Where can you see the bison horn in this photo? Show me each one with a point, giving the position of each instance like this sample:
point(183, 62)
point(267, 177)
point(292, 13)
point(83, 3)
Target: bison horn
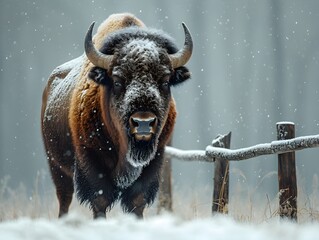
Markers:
point(183, 55)
point(95, 56)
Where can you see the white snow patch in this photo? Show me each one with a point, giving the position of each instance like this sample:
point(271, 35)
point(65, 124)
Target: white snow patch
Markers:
point(285, 123)
point(143, 47)
point(66, 67)
point(137, 90)
point(186, 154)
point(60, 87)
point(160, 227)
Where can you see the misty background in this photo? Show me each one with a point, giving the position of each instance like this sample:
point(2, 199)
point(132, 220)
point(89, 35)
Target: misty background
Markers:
point(254, 63)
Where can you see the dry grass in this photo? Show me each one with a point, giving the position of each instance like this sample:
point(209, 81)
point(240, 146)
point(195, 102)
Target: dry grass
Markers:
point(245, 204)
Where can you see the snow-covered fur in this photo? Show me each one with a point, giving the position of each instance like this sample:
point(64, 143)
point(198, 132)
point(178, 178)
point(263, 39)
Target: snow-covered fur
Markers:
point(86, 116)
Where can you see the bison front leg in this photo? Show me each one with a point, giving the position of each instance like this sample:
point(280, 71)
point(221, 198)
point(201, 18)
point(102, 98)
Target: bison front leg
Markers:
point(99, 206)
point(143, 191)
point(93, 185)
point(136, 197)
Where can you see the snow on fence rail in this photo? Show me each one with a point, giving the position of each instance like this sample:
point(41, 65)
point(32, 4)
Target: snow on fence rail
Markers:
point(274, 147)
point(220, 154)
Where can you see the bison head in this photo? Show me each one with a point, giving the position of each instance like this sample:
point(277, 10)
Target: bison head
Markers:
point(136, 68)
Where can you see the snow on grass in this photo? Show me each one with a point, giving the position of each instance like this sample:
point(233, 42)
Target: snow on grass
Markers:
point(25, 216)
point(78, 227)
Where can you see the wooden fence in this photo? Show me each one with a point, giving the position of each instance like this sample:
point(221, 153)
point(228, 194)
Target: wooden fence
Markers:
point(220, 154)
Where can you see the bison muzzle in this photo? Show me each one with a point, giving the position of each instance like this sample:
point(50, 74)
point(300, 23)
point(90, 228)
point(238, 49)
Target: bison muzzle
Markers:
point(107, 115)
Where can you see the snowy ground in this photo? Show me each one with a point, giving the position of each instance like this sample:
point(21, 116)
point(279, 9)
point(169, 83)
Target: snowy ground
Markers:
point(77, 226)
point(34, 216)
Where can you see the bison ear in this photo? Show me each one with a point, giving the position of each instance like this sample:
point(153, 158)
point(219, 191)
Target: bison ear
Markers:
point(98, 75)
point(180, 75)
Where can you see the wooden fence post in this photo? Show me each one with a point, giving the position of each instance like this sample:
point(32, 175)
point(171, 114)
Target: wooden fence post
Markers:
point(221, 178)
point(287, 174)
point(165, 188)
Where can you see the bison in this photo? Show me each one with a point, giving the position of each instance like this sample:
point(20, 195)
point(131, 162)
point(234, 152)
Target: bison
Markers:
point(107, 115)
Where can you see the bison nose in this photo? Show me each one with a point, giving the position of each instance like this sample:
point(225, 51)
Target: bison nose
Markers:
point(143, 125)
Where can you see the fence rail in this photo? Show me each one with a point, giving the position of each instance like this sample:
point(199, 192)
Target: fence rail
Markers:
point(274, 147)
point(220, 154)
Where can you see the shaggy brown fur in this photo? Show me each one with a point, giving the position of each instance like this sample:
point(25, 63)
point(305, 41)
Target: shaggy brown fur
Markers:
point(86, 139)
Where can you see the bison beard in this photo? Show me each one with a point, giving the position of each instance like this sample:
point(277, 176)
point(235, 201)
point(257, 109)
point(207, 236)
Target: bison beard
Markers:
point(140, 153)
point(107, 115)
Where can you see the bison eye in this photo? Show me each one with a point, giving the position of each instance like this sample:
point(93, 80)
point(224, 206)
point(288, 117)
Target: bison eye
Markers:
point(165, 86)
point(118, 84)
